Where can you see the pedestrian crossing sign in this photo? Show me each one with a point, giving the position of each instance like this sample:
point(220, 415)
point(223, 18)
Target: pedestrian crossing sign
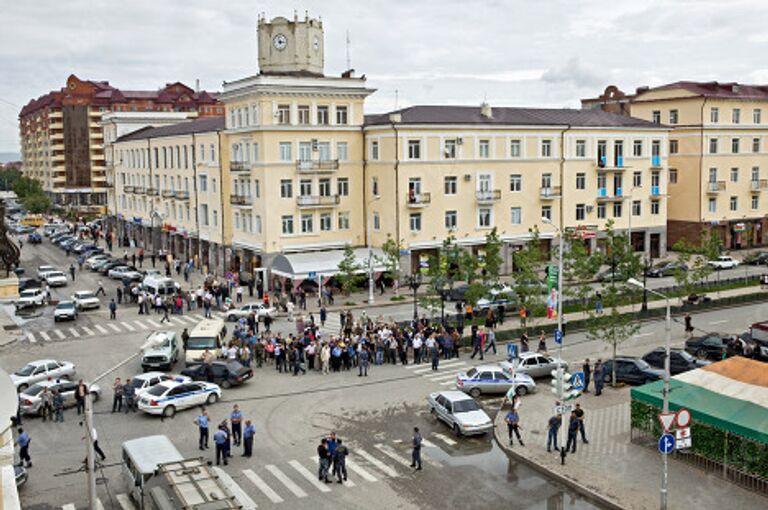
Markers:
point(577, 381)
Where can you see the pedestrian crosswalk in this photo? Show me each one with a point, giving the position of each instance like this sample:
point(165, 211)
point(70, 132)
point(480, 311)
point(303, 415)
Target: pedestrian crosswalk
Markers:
point(276, 484)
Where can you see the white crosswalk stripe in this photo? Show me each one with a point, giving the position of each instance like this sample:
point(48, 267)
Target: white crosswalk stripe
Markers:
point(429, 444)
point(348, 483)
point(154, 324)
point(88, 331)
point(69, 506)
point(127, 325)
point(451, 365)
point(200, 316)
point(125, 502)
point(283, 478)
point(74, 332)
point(237, 491)
point(101, 328)
point(321, 486)
point(99, 506)
point(384, 468)
point(389, 452)
point(443, 377)
point(114, 328)
point(59, 334)
point(189, 319)
point(365, 475)
point(262, 486)
point(447, 440)
point(45, 336)
point(31, 337)
point(447, 383)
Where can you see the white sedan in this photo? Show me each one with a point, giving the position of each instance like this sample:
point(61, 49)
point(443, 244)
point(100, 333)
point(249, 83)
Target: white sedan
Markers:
point(723, 262)
point(168, 397)
point(55, 278)
point(147, 380)
point(259, 309)
point(43, 270)
point(120, 272)
point(89, 263)
point(85, 300)
point(31, 298)
point(41, 370)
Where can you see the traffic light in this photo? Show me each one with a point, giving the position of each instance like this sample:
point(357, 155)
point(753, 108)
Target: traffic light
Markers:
point(557, 381)
point(569, 391)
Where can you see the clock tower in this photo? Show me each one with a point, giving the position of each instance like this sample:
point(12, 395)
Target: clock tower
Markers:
point(291, 47)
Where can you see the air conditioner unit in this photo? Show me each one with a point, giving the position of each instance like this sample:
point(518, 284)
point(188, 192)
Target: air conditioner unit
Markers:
point(447, 153)
point(589, 208)
point(314, 145)
point(467, 177)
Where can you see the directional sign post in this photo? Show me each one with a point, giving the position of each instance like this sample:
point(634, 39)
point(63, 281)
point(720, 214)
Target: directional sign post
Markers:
point(511, 351)
point(667, 419)
point(666, 444)
point(312, 275)
point(683, 418)
point(683, 438)
point(558, 337)
point(577, 381)
point(563, 409)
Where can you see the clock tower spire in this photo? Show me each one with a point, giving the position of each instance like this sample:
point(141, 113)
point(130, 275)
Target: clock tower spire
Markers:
point(291, 47)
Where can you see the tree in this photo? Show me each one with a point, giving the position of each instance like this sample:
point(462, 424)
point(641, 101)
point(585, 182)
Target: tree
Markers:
point(527, 285)
point(614, 327)
point(349, 269)
point(37, 203)
point(490, 264)
point(695, 265)
point(441, 273)
point(8, 178)
point(579, 269)
point(391, 260)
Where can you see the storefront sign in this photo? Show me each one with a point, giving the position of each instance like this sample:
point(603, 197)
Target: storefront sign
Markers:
point(739, 227)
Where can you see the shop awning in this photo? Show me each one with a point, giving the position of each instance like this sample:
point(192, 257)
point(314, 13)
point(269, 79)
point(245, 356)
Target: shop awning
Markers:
point(300, 266)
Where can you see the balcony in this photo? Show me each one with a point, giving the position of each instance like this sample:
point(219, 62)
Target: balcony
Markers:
point(152, 191)
point(417, 200)
point(317, 200)
point(317, 166)
point(655, 191)
point(128, 189)
point(759, 185)
point(656, 161)
point(549, 192)
point(181, 195)
point(239, 166)
point(485, 196)
point(240, 200)
point(603, 195)
point(139, 190)
point(168, 193)
point(618, 166)
point(715, 186)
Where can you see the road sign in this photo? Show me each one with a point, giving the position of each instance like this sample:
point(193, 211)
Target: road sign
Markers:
point(312, 275)
point(683, 418)
point(558, 337)
point(552, 273)
point(511, 351)
point(667, 419)
point(563, 409)
point(666, 443)
point(683, 438)
point(577, 381)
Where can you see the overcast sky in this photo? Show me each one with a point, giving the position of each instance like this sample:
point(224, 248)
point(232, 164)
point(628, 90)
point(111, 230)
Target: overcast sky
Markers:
point(511, 52)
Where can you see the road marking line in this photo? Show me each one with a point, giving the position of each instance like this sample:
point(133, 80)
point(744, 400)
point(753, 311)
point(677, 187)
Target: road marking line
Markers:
point(102, 329)
point(125, 502)
point(641, 335)
point(289, 484)
point(426, 442)
point(154, 323)
point(447, 364)
point(445, 439)
point(188, 318)
point(443, 377)
point(321, 486)
point(45, 336)
point(117, 330)
point(99, 506)
point(719, 322)
point(262, 486)
point(201, 317)
point(88, 331)
point(140, 324)
point(389, 452)
point(237, 491)
point(69, 506)
point(360, 471)
point(377, 463)
point(74, 332)
point(59, 334)
point(31, 337)
point(447, 383)
point(348, 483)
point(127, 325)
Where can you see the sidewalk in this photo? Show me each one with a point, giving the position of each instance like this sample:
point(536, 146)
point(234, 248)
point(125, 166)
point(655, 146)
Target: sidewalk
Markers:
point(610, 469)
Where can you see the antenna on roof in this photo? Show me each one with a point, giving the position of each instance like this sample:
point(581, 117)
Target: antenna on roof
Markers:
point(397, 98)
point(349, 60)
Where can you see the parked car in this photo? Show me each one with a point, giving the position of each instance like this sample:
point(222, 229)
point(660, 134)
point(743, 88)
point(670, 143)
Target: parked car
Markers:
point(458, 292)
point(85, 300)
point(65, 310)
point(143, 382)
point(163, 353)
point(631, 370)
point(608, 276)
point(119, 272)
point(259, 309)
point(225, 373)
point(679, 360)
point(104, 268)
point(757, 259)
point(28, 283)
point(31, 298)
point(168, 397)
point(485, 379)
point(99, 263)
point(40, 370)
point(460, 412)
point(84, 247)
point(34, 238)
point(94, 250)
point(30, 400)
point(55, 279)
point(723, 262)
point(533, 364)
point(665, 269)
point(711, 346)
point(90, 261)
point(43, 270)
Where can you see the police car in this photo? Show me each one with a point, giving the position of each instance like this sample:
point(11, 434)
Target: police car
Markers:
point(168, 397)
point(147, 380)
point(485, 379)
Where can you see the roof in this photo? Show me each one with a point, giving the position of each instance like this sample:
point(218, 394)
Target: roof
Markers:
point(510, 116)
point(298, 266)
point(203, 125)
point(147, 452)
point(727, 90)
point(454, 395)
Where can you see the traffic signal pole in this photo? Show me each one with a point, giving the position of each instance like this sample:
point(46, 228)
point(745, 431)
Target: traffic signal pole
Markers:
point(560, 369)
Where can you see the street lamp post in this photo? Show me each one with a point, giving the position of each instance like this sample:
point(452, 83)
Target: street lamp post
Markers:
point(370, 255)
point(413, 281)
point(665, 391)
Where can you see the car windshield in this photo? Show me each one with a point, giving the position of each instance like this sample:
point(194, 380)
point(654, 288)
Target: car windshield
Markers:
point(201, 342)
point(685, 355)
point(137, 383)
point(85, 295)
point(27, 370)
point(465, 406)
point(642, 365)
point(28, 293)
point(34, 390)
point(235, 367)
point(157, 390)
point(55, 273)
point(472, 372)
point(65, 305)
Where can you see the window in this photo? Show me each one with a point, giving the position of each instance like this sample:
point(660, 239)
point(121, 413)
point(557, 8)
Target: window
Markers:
point(376, 221)
point(735, 145)
point(305, 187)
point(256, 188)
point(713, 175)
point(514, 149)
point(580, 212)
point(635, 208)
point(673, 147)
point(546, 148)
point(414, 149)
point(484, 149)
point(755, 201)
point(673, 116)
point(546, 181)
point(203, 183)
point(257, 224)
point(375, 186)
point(306, 223)
point(637, 179)
point(581, 148)
point(734, 203)
point(736, 115)
point(341, 115)
point(655, 207)
point(342, 151)
point(617, 209)
point(213, 153)
point(656, 116)
point(324, 186)
point(757, 116)
point(342, 186)
point(449, 148)
point(450, 184)
point(755, 173)
point(581, 180)
point(673, 175)
point(655, 179)
point(602, 152)
point(637, 148)
point(755, 145)
point(415, 222)
point(325, 222)
point(286, 188)
point(712, 205)
point(450, 220)
point(546, 212)
point(303, 112)
point(287, 222)
point(204, 214)
point(215, 218)
point(343, 221)
point(322, 115)
point(714, 115)
point(374, 150)
point(285, 151)
point(516, 216)
point(324, 151)
point(213, 185)
point(713, 145)
point(283, 114)
point(165, 157)
point(734, 175)
point(202, 154)
point(485, 217)
point(515, 182)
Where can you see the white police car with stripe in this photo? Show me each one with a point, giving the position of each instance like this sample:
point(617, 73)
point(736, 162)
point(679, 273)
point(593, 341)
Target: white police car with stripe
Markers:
point(485, 379)
point(168, 397)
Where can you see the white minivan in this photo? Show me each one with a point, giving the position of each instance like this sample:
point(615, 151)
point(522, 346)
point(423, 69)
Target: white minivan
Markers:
point(160, 285)
point(208, 334)
point(141, 458)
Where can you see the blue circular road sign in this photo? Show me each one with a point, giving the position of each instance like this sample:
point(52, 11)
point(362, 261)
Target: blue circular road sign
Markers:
point(666, 443)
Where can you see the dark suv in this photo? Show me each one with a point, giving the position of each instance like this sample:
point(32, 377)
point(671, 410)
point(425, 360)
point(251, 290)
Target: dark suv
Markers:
point(225, 373)
point(631, 371)
point(679, 360)
point(711, 346)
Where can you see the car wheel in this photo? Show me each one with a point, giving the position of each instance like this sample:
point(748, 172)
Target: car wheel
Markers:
point(94, 396)
point(456, 429)
point(475, 392)
point(521, 391)
point(212, 398)
point(169, 411)
point(607, 378)
point(701, 354)
point(226, 384)
point(23, 387)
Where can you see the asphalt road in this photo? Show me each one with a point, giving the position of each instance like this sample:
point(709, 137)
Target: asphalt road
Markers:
point(374, 415)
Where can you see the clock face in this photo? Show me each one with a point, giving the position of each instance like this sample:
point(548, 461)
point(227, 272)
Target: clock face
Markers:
point(316, 43)
point(280, 42)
